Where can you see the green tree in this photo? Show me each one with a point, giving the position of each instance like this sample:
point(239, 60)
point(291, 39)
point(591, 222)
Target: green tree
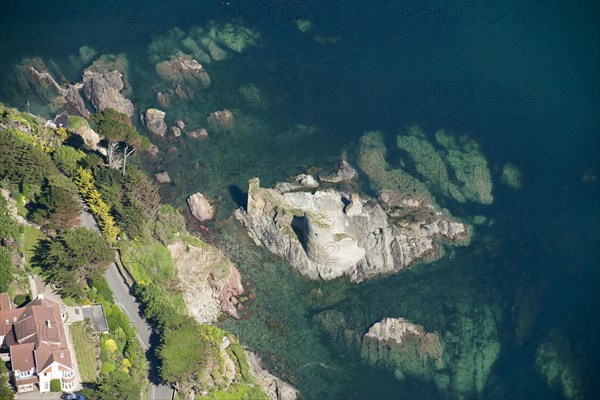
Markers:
point(6, 269)
point(182, 353)
point(6, 392)
point(57, 208)
point(68, 158)
point(116, 385)
point(23, 164)
point(8, 227)
point(119, 132)
point(73, 258)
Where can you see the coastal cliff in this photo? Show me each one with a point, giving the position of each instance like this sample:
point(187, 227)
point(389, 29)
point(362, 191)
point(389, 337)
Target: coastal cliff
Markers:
point(327, 234)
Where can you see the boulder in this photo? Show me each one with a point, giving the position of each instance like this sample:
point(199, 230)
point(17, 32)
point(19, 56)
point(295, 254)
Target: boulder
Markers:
point(183, 69)
point(176, 131)
point(200, 207)
point(162, 177)
point(197, 134)
point(222, 119)
point(163, 99)
point(154, 121)
point(103, 89)
point(343, 173)
point(180, 124)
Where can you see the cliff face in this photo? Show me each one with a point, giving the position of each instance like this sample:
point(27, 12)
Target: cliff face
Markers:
point(327, 234)
point(210, 283)
point(275, 388)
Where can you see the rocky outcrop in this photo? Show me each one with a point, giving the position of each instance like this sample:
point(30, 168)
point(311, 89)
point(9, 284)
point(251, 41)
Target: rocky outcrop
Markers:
point(154, 121)
point(275, 388)
point(329, 234)
point(343, 173)
point(200, 207)
point(210, 283)
point(403, 347)
point(200, 133)
point(35, 78)
point(301, 181)
point(103, 89)
point(162, 177)
point(183, 69)
point(223, 120)
point(81, 128)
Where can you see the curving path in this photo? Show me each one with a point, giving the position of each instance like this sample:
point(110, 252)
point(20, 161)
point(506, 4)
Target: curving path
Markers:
point(120, 290)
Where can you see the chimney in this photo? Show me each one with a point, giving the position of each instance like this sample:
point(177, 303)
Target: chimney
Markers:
point(49, 324)
point(40, 295)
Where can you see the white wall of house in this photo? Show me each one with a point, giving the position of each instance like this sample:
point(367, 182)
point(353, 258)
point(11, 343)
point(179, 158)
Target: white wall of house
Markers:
point(55, 371)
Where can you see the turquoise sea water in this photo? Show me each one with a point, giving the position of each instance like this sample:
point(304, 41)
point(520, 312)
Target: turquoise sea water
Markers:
point(521, 78)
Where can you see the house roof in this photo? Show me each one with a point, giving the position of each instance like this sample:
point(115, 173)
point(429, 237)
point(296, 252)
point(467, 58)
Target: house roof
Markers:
point(46, 355)
point(4, 302)
point(21, 357)
point(61, 121)
point(36, 335)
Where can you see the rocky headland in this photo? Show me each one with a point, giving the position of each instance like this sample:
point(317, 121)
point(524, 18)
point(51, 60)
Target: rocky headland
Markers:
point(327, 234)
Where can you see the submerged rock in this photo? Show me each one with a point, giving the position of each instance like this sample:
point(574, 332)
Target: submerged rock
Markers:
point(221, 119)
point(200, 207)
point(328, 234)
point(555, 362)
point(35, 78)
point(511, 176)
point(403, 347)
point(162, 177)
point(154, 121)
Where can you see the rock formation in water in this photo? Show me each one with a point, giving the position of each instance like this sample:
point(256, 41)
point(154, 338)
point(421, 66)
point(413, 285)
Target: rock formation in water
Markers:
point(210, 283)
point(328, 234)
point(200, 207)
point(35, 78)
point(403, 347)
point(556, 363)
point(454, 168)
point(154, 121)
point(104, 84)
point(343, 173)
point(221, 120)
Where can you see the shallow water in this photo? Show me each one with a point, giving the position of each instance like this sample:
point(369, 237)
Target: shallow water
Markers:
point(523, 83)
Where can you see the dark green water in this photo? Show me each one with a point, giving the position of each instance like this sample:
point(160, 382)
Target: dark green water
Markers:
point(521, 78)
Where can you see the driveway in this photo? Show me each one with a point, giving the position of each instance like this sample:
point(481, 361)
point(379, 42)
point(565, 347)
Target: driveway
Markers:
point(130, 307)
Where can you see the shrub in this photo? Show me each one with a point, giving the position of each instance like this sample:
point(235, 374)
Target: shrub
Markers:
point(55, 386)
point(21, 299)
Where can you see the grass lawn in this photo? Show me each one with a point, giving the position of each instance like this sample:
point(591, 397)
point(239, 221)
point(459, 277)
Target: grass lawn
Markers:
point(31, 236)
point(85, 350)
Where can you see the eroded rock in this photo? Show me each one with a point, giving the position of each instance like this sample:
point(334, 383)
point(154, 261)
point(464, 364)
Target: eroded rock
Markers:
point(200, 207)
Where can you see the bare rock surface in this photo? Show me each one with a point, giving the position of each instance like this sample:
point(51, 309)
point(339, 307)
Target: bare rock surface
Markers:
point(200, 207)
point(162, 177)
point(103, 89)
point(154, 121)
point(275, 388)
point(329, 234)
point(210, 283)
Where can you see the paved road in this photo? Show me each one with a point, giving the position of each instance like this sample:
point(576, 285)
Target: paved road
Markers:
point(128, 304)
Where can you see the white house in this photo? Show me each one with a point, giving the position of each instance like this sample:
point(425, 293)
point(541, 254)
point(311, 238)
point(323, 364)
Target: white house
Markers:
point(34, 336)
